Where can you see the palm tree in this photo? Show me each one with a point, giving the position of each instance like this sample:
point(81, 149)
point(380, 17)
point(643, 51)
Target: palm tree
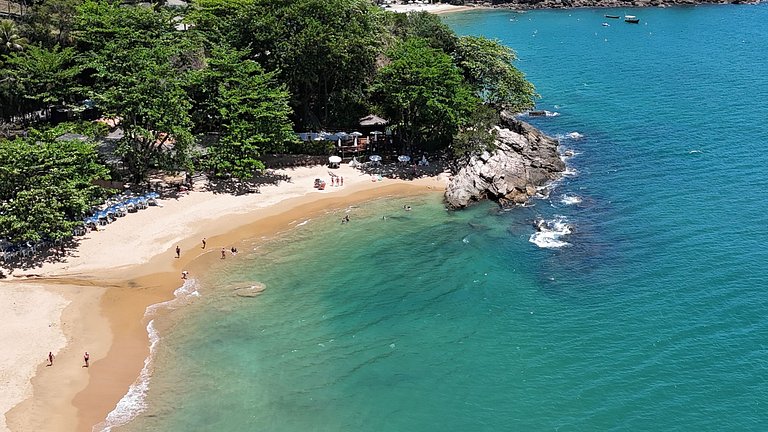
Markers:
point(10, 38)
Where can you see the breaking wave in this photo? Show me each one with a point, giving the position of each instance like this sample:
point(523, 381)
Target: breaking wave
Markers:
point(549, 233)
point(134, 401)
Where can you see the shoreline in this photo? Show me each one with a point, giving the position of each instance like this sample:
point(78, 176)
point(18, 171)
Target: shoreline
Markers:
point(437, 8)
point(443, 9)
point(115, 298)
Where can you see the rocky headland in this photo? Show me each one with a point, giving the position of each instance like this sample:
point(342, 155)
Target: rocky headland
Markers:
point(524, 159)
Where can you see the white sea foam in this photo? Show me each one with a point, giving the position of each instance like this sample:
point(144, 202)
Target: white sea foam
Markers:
point(570, 171)
point(549, 232)
point(570, 199)
point(538, 113)
point(303, 223)
point(134, 401)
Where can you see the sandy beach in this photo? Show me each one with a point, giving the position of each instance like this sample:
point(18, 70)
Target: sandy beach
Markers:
point(439, 8)
point(95, 299)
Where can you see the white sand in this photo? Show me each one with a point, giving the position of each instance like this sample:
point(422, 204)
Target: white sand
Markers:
point(137, 237)
point(32, 313)
point(437, 8)
point(31, 328)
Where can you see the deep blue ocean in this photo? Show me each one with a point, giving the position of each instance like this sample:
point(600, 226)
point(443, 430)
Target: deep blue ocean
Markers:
point(642, 307)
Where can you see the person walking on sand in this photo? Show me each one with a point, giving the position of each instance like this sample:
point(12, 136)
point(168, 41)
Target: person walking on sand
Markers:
point(341, 180)
point(223, 253)
point(203, 243)
point(50, 358)
point(178, 251)
point(86, 357)
point(184, 274)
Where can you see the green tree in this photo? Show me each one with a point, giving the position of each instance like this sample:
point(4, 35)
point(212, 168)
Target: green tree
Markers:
point(141, 87)
point(487, 67)
point(13, 104)
point(323, 50)
point(476, 135)
point(423, 25)
point(139, 64)
point(100, 24)
point(51, 21)
point(249, 108)
point(46, 76)
point(422, 92)
point(46, 187)
point(10, 37)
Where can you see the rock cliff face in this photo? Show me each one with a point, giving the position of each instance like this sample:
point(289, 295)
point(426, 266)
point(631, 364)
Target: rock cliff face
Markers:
point(523, 160)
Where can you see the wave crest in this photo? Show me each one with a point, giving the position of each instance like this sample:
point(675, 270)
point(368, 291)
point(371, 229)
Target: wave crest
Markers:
point(549, 232)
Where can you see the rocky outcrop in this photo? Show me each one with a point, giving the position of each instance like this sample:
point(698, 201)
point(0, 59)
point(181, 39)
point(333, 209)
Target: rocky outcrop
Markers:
point(524, 159)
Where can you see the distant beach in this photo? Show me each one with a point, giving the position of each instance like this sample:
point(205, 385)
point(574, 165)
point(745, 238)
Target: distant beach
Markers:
point(440, 8)
point(96, 298)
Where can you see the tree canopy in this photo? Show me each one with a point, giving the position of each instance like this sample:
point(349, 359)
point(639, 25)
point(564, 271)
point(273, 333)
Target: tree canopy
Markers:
point(487, 66)
point(46, 187)
point(247, 106)
point(236, 77)
point(423, 94)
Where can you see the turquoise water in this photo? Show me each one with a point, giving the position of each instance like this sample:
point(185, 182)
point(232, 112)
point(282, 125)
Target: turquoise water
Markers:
point(651, 314)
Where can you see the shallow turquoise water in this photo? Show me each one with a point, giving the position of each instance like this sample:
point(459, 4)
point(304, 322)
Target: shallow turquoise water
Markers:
point(653, 316)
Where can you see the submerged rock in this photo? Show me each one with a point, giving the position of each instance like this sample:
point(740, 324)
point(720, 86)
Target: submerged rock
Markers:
point(250, 290)
point(523, 160)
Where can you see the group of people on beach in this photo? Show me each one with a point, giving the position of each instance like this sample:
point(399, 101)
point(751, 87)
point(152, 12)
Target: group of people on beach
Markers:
point(223, 250)
point(86, 358)
point(204, 243)
point(336, 180)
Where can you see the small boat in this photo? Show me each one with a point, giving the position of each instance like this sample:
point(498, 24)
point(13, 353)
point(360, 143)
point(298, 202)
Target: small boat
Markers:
point(631, 19)
point(613, 16)
point(606, 24)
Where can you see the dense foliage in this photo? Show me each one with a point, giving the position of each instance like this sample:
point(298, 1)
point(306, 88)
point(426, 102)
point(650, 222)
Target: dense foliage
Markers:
point(46, 186)
point(422, 91)
point(216, 85)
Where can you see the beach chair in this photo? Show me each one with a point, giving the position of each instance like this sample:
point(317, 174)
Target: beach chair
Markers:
point(152, 198)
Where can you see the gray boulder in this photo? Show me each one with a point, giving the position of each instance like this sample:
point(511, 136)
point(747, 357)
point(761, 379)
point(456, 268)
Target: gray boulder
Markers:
point(524, 159)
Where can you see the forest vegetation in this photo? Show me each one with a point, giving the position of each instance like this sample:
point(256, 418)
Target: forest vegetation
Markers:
point(244, 74)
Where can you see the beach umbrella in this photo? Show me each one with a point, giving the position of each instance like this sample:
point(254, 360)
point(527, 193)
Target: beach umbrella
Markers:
point(404, 158)
point(334, 159)
point(357, 134)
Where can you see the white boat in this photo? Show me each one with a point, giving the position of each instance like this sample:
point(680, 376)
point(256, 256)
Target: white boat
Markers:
point(631, 19)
